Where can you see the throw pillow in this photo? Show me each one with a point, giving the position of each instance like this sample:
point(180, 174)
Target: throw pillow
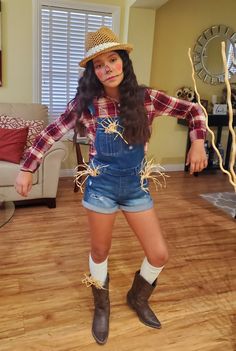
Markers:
point(12, 143)
point(35, 128)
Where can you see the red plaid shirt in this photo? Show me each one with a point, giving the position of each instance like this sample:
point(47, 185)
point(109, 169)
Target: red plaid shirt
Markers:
point(156, 104)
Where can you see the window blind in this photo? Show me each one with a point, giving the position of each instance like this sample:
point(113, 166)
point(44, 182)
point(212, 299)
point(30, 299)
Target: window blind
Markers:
point(63, 33)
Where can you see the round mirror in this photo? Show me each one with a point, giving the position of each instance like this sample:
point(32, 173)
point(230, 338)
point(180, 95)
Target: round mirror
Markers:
point(207, 56)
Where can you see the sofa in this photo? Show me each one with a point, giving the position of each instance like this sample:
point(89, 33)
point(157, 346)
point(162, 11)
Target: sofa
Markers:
point(45, 179)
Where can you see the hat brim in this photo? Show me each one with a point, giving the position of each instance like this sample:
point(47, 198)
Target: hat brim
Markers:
point(126, 47)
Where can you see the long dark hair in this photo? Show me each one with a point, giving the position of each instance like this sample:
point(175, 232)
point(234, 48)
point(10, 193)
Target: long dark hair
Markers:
point(132, 112)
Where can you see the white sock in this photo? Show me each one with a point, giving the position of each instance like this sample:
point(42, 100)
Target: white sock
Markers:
point(98, 270)
point(149, 272)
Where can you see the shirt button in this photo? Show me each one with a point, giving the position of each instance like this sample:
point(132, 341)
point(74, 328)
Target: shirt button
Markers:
point(130, 147)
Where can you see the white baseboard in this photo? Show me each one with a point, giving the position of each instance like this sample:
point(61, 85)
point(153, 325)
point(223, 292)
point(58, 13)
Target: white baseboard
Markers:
point(168, 168)
point(174, 167)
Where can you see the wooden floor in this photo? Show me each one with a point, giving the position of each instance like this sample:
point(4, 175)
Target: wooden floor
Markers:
point(44, 253)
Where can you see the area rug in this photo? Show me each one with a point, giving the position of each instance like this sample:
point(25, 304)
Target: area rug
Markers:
point(225, 201)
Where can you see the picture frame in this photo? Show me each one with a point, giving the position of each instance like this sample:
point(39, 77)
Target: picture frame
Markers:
point(220, 109)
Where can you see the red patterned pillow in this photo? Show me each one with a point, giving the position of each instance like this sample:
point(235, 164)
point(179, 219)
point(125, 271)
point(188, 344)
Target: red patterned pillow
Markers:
point(12, 143)
point(35, 128)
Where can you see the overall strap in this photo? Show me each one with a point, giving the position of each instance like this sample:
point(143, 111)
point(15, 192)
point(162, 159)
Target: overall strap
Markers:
point(91, 109)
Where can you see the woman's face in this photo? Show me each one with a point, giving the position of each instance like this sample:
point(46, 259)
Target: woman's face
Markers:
point(108, 68)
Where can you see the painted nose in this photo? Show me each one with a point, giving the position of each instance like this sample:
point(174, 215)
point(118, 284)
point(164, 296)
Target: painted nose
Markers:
point(107, 69)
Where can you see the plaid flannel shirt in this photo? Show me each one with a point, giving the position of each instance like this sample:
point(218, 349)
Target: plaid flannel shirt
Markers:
point(156, 103)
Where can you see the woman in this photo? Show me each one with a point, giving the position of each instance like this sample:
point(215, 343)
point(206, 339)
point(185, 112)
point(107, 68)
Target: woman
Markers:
point(116, 114)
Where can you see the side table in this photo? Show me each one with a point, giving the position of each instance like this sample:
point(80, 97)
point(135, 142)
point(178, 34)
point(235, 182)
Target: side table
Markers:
point(218, 121)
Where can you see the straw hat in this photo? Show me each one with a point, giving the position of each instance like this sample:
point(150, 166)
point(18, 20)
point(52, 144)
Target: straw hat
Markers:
point(101, 41)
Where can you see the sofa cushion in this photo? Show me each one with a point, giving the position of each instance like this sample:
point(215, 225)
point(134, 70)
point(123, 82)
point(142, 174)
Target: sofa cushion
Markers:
point(35, 127)
point(12, 143)
point(9, 173)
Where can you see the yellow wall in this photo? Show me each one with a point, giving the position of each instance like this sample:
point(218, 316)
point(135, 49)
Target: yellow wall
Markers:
point(128, 4)
point(178, 25)
point(142, 41)
point(16, 51)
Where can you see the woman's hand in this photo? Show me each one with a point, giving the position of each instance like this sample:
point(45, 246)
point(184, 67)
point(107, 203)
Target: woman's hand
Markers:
point(196, 157)
point(23, 183)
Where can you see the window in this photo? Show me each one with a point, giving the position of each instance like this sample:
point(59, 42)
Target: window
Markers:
point(62, 45)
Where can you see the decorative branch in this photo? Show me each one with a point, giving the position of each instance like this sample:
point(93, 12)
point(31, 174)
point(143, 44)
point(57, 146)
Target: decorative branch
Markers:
point(231, 179)
point(229, 102)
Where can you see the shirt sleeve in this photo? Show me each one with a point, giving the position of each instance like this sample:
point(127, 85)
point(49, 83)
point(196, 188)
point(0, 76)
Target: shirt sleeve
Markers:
point(53, 132)
point(159, 104)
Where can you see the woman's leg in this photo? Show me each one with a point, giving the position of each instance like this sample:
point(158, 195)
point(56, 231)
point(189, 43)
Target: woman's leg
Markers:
point(146, 227)
point(100, 226)
point(100, 235)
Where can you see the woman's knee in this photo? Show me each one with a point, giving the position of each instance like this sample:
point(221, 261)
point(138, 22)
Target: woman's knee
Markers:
point(99, 254)
point(158, 258)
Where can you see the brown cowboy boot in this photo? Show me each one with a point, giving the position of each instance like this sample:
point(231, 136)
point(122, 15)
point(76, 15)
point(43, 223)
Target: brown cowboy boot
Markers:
point(100, 327)
point(137, 299)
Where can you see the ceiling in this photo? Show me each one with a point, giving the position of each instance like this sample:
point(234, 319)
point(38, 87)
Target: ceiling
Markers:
point(151, 4)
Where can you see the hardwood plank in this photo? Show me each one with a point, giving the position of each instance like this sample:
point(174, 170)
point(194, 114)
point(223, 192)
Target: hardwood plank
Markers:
point(44, 253)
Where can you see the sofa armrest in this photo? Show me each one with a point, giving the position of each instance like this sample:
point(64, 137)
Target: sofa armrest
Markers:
point(58, 145)
point(51, 166)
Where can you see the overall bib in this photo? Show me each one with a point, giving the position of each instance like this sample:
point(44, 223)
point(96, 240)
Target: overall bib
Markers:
point(117, 184)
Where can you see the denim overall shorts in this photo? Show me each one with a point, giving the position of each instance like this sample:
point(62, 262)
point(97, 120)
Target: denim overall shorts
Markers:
point(117, 185)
